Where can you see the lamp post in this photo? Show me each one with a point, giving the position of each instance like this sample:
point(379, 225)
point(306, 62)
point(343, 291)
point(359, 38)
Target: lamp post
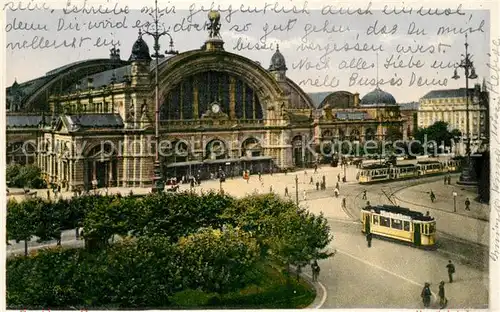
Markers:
point(158, 185)
point(455, 201)
point(468, 173)
point(297, 189)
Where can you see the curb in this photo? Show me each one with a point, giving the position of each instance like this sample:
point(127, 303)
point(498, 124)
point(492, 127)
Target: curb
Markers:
point(320, 289)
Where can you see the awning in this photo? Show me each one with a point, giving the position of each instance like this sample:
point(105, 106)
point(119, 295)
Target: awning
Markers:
point(184, 163)
point(244, 158)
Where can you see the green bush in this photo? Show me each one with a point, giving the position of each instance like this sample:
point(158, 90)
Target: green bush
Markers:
point(29, 176)
point(173, 244)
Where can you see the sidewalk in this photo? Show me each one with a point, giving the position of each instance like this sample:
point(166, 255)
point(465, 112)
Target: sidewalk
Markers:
point(470, 225)
point(420, 195)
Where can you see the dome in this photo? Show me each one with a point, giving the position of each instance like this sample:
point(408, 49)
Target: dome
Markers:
point(378, 96)
point(140, 50)
point(278, 60)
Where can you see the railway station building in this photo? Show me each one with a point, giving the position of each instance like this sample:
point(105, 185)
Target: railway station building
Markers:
point(95, 119)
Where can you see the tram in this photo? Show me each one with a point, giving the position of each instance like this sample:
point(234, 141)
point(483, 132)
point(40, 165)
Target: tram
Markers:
point(384, 172)
point(400, 224)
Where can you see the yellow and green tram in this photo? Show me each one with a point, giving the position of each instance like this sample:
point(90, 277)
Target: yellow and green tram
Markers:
point(384, 172)
point(400, 224)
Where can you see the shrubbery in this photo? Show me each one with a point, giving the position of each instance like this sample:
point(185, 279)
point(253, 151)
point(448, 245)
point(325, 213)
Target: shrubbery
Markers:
point(171, 243)
point(29, 176)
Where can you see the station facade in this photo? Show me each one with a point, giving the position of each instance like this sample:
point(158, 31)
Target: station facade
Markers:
point(94, 120)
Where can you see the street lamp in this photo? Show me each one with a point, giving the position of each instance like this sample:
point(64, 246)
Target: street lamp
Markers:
point(158, 185)
point(297, 189)
point(455, 201)
point(468, 175)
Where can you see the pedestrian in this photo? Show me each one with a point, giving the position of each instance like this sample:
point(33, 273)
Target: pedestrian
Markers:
point(304, 194)
point(260, 176)
point(427, 213)
point(364, 194)
point(315, 168)
point(344, 205)
point(305, 172)
point(336, 193)
point(286, 191)
point(315, 270)
point(451, 270)
point(48, 194)
point(442, 298)
point(317, 185)
point(369, 239)
point(449, 179)
point(270, 188)
point(426, 295)
point(368, 204)
point(467, 204)
point(445, 180)
point(311, 181)
point(433, 197)
point(338, 177)
point(337, 185)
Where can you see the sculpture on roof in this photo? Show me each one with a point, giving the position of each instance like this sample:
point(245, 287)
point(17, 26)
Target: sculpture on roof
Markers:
point(214, 27)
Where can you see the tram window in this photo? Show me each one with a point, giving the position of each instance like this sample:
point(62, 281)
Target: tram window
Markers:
point(432, 228)
point(375, 220)
point(396, 224)
point(425, 229)
point(406, 226)
point(385, 221)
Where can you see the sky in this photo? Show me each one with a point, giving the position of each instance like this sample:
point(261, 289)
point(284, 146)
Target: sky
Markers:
point(311, 42)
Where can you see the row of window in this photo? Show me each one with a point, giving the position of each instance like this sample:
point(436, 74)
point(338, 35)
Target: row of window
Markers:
point(397, 224)
point(392, 223)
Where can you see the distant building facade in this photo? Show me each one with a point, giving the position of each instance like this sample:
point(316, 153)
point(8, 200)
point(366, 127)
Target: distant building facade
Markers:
point(94, 120)
point(450, 106)
point(409, 113)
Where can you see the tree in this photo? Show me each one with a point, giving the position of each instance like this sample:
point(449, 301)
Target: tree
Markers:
point(436, 135)
point(25, 176)
point(12, 172)
point(217, 260)
point(21, 221)
point(393, 134)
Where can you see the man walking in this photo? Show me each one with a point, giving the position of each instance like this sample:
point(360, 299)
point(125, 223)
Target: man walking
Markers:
point(369, 239)
point(315, 270)
point(442, 298)
point(451, 270)
point(433, 197)
point(304, 194)
point(286, 191)
point(467, 204)
point(426, 295)
point(364, 194)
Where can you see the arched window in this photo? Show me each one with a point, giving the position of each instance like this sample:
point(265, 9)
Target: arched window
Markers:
point(215, 149)
point(251, 148)
point(191, 98)
point(369, 134)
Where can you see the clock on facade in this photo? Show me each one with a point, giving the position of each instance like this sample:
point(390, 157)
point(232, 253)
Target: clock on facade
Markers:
point(215, 108)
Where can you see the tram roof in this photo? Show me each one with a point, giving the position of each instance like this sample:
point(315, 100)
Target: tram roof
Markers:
point(404, 165)
point(428, 162)
point(375, 166)
point(415, 215)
